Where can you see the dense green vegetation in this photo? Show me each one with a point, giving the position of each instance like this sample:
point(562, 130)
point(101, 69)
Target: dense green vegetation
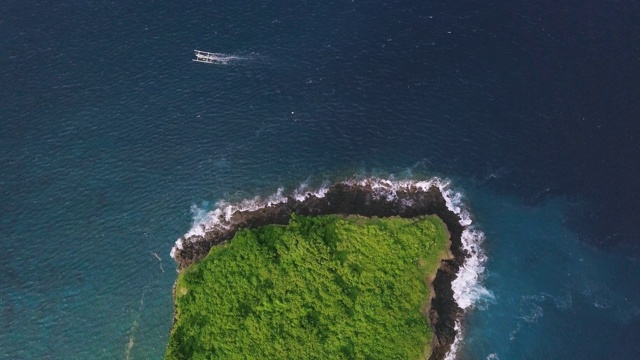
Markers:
point(323, 287)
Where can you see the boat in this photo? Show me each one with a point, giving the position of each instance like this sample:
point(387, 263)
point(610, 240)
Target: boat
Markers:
point(209, 57)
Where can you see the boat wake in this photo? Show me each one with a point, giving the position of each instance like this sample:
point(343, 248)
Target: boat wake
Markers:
point(467, 287)
point(217, 58)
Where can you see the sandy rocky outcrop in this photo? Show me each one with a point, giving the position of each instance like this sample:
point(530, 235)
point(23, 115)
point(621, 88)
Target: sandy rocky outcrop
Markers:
point(350, 199)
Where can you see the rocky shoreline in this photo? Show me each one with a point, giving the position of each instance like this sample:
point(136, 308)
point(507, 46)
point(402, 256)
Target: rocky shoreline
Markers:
point(364, 200)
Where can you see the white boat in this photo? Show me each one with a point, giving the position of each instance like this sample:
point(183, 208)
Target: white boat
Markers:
point(209, 57)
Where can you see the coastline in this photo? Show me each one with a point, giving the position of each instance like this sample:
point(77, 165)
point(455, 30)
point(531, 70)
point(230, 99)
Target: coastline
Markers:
point(370, 198)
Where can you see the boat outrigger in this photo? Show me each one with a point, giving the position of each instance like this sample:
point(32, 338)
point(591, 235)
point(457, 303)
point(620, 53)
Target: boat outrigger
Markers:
point(209, 58)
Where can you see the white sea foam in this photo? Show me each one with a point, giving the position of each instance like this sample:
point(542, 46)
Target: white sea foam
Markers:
point(562, 301)
point(451, 355)
point(220, 217)
point(304, 192)
point(531, 313)
point(467, 288)
point(530, 309)
point(601, 303)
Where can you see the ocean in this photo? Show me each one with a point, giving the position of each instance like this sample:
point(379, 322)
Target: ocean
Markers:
point(113, 144)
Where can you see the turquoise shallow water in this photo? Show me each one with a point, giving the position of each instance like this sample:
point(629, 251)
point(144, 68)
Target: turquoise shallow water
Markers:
point(109, 133)
point(554, 297)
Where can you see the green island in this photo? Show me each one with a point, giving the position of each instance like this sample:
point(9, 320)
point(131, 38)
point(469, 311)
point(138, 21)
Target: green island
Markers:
point(324, 287)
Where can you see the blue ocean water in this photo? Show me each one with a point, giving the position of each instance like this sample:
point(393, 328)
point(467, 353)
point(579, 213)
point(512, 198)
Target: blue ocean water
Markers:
point(109, 133)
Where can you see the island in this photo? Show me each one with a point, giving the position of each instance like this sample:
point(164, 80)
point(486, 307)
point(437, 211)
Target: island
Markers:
point(358, 271)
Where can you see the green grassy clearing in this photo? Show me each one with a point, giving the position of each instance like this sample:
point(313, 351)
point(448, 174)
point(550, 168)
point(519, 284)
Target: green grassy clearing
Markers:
point(319, 288)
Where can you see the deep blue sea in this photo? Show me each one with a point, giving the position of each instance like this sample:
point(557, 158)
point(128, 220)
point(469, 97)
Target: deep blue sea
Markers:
point(109, 134)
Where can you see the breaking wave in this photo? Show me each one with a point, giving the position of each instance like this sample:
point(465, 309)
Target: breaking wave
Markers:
point(467, 287)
